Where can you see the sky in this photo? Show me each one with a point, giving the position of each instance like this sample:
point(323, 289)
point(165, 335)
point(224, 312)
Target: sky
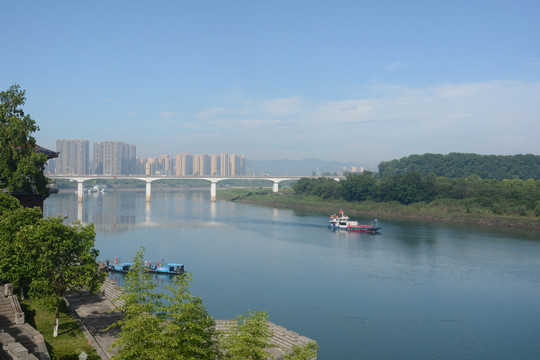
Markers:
point(361, 81)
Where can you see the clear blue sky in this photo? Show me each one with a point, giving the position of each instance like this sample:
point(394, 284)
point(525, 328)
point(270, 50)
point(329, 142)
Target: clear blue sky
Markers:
point(361, 81)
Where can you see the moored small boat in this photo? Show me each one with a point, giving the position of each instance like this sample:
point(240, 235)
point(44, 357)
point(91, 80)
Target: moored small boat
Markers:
point(168, 269)
point(342, 221)
point(119, 267)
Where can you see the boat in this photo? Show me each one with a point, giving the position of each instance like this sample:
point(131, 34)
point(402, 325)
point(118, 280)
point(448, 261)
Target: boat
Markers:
point(168, 269)
point(119, 267)
point(342, 221)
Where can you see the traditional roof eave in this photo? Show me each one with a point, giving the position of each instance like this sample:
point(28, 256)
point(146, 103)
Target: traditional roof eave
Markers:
point(50, 154)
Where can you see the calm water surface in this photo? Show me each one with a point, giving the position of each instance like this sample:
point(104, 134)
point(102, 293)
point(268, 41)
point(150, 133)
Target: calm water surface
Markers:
point(415, 291)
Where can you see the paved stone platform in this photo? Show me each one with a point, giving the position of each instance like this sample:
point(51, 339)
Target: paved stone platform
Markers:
point(94, 315)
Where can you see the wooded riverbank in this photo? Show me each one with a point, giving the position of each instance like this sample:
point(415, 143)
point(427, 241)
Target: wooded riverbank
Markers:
point(445, 210)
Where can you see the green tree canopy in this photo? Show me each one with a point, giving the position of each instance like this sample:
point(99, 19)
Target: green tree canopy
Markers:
point(46, 255)
point(305, 352)
point(63, 258)
point(21, 168)
point(15, 260)
point(460, 165)
point(248, 337)
point(188, 332)
point(140, 327)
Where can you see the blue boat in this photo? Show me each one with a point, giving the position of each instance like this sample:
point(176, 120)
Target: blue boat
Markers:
point(120, 267)
point(169, 269)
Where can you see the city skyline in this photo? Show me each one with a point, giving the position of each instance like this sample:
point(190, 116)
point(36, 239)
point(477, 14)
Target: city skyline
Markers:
point(350, 81)
point(119, 158)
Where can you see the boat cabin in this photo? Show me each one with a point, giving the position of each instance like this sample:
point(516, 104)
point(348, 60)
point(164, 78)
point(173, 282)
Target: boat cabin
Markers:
point(171, 268)
point(123, 267)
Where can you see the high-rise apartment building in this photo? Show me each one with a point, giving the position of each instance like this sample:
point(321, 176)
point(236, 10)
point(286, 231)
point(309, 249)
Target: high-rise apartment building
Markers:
point(73, 157)
point(237, 165)
point(184, 164)
point(224, 160)
point(215, 165)
point(114, 158)
point(210, 165)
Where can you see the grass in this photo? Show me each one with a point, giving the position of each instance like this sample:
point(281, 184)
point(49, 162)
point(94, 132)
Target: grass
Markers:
point(448, 210)
point(70, 341)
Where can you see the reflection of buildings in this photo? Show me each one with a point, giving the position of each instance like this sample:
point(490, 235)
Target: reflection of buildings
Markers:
point(112, 222)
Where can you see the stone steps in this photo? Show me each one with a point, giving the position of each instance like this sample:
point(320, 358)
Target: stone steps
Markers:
point(6, 311)
point(23, 338)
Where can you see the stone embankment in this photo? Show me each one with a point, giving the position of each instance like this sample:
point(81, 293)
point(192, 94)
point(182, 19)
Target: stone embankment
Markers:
point(18, 339)
point(283, 340)
point(112, 292)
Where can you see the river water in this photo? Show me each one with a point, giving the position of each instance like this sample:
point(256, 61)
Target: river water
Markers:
point(414, 291)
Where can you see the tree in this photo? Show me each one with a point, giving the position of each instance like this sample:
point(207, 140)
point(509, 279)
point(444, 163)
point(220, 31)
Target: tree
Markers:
point(62, 258)
point(188, 332)
point(304, 352)
point(141, 324)
point(21, 168)
point(15, 261)
point(358, 187)
point(408, 187)
point(248, 337)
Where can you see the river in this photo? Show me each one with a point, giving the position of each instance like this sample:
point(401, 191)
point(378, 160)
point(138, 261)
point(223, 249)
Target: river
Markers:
point(415, 291)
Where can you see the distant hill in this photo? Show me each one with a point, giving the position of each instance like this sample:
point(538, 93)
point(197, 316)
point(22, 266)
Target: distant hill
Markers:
point(458, 165)
point(304, 167)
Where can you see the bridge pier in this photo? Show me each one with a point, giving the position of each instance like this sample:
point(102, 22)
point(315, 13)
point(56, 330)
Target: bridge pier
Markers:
point(80, 190)
point(213, 186)
point(275, 187)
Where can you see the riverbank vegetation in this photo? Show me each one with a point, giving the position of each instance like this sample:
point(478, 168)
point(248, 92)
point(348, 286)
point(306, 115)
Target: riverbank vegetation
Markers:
point(409, 195)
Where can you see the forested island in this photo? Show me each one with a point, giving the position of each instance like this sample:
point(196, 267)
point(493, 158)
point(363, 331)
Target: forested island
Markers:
point(505, 195)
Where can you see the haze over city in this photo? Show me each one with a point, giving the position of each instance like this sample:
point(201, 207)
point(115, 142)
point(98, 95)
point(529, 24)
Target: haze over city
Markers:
point(342, 80)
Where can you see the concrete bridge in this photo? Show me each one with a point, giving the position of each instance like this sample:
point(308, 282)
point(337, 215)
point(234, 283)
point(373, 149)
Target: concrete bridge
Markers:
point(80, 179)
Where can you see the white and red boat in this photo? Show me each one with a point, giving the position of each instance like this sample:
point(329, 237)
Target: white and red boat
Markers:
point(342, 221)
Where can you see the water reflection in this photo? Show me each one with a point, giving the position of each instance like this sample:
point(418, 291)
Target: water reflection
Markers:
point(213, 209)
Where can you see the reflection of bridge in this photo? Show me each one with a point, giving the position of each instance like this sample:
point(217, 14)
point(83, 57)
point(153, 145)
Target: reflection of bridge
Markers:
point(80, 179)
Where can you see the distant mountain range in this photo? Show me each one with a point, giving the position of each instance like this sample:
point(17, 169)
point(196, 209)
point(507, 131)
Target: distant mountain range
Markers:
point(300, 167)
